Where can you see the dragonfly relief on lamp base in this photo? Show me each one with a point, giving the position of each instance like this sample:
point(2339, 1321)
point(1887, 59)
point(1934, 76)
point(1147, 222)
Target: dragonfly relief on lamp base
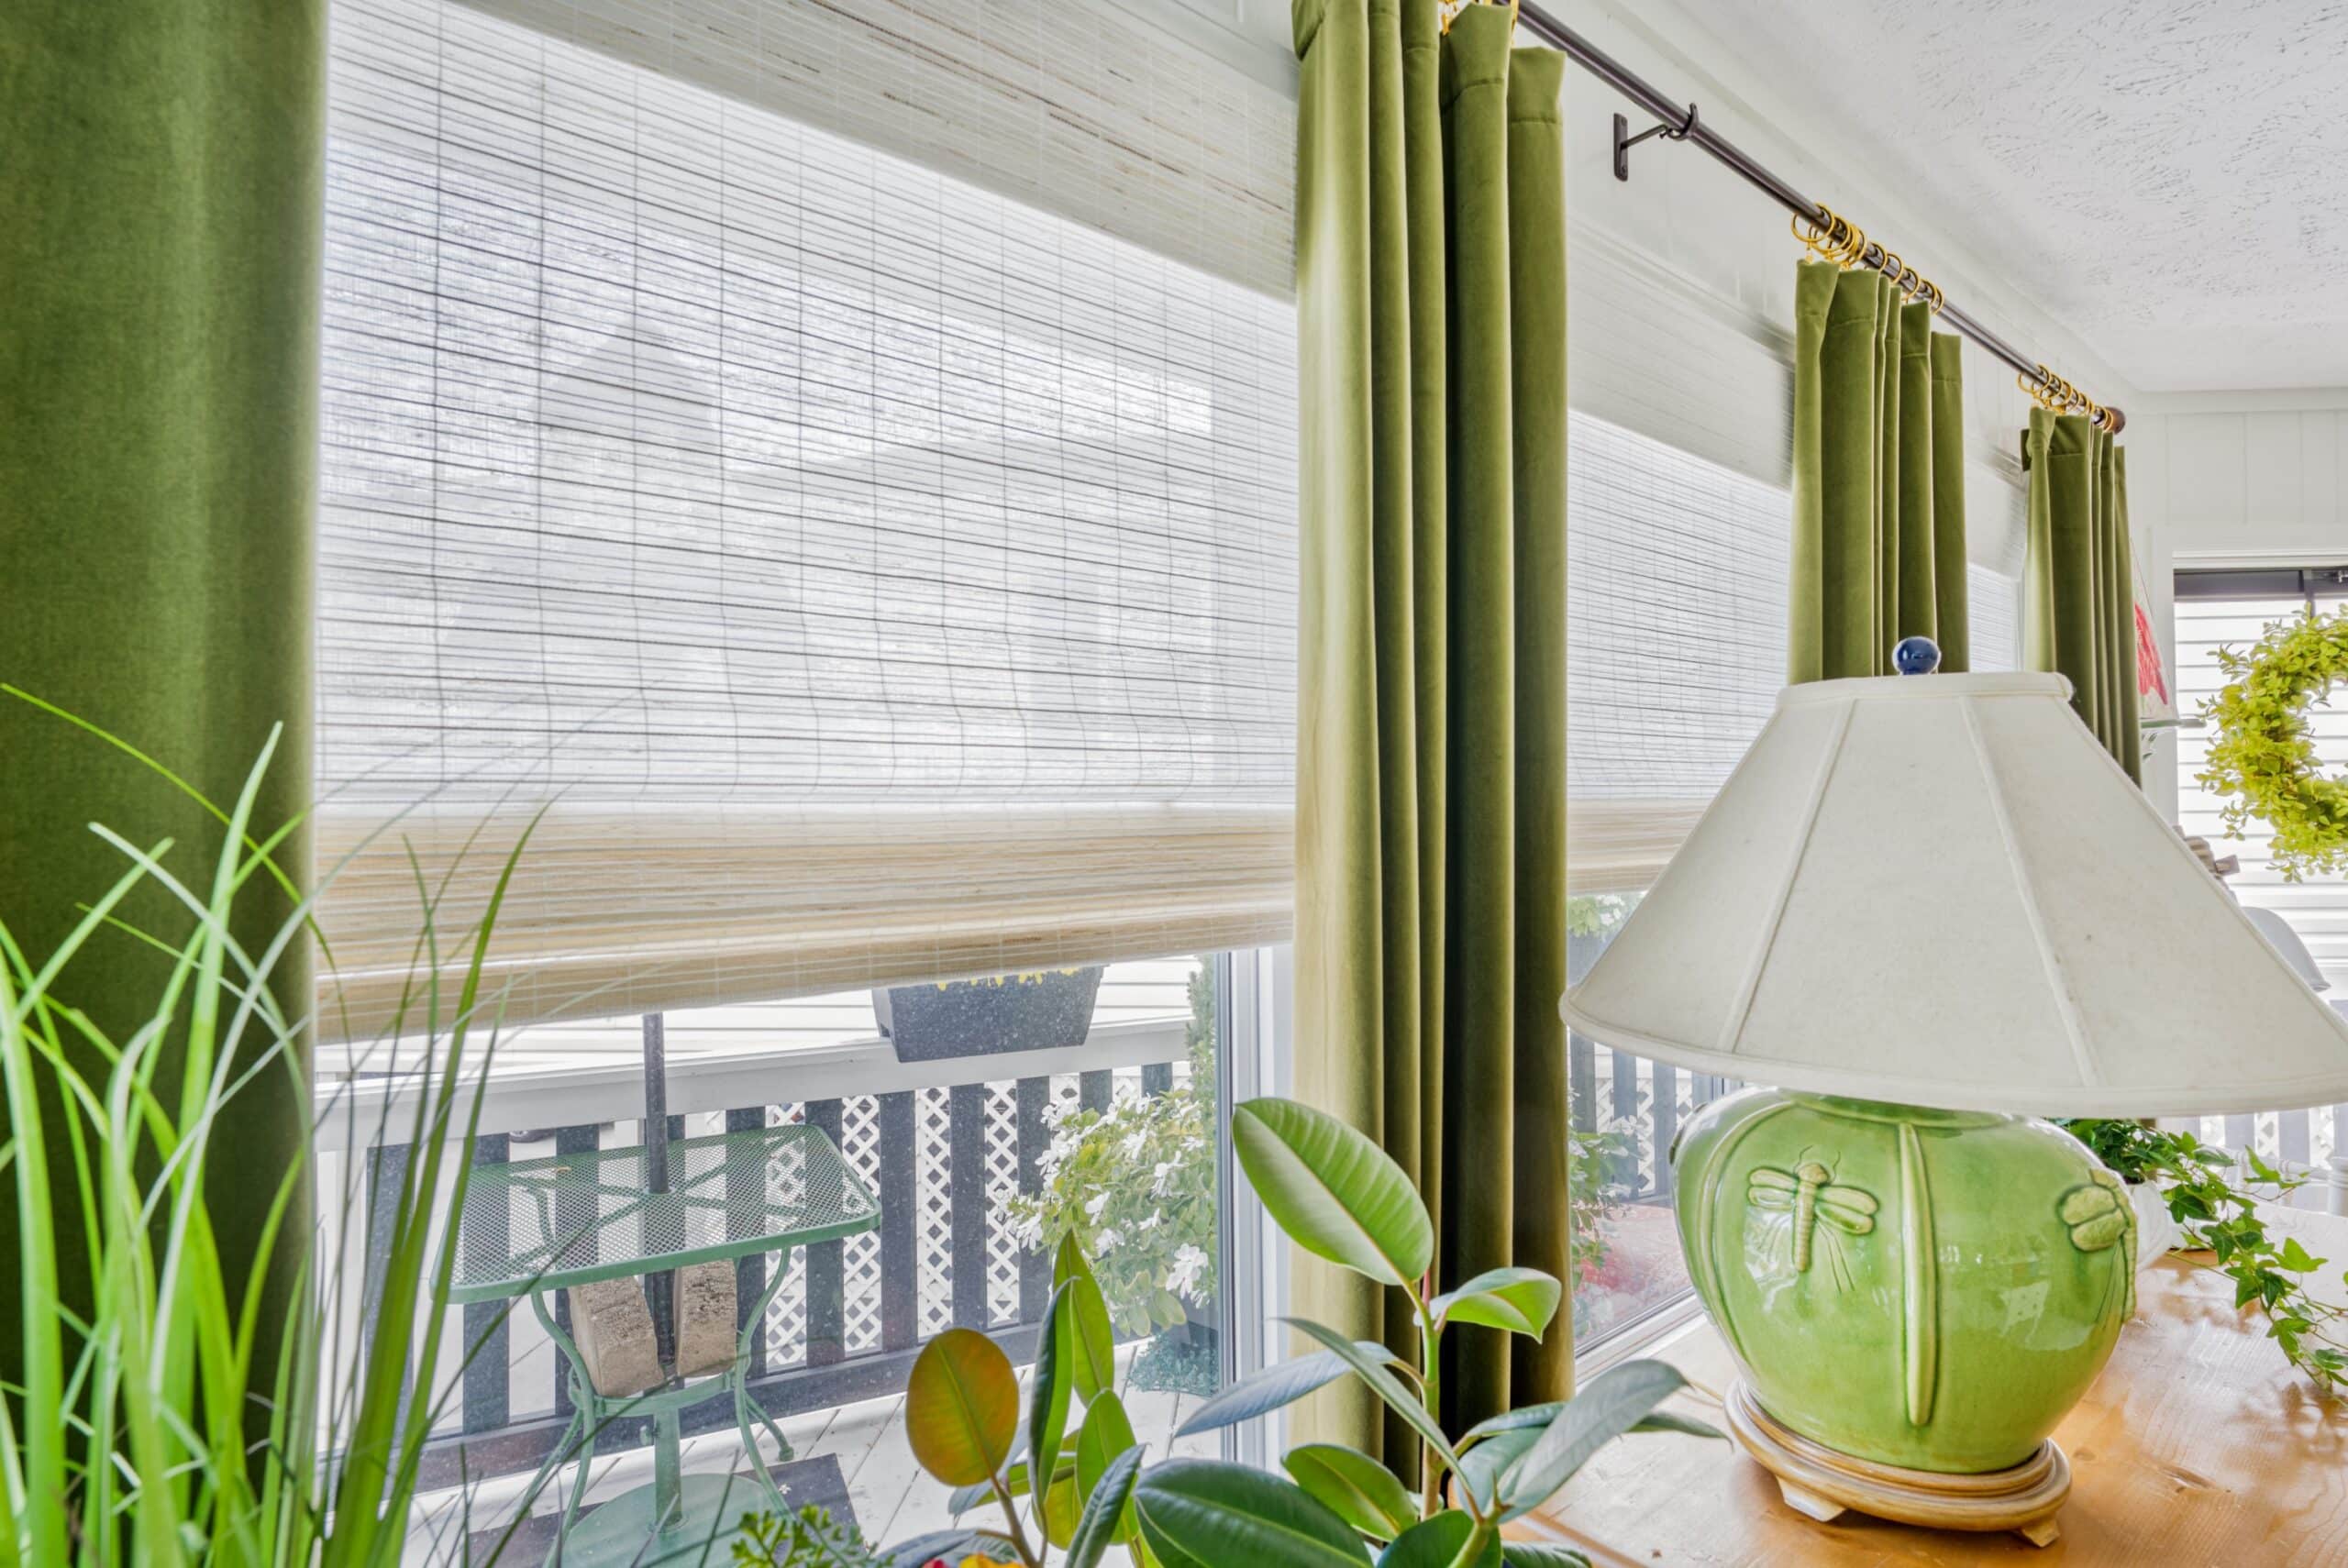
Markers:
point(1806, 1195)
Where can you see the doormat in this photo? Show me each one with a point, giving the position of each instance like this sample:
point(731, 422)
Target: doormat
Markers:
point(803, 1481)
point(1178, 1363)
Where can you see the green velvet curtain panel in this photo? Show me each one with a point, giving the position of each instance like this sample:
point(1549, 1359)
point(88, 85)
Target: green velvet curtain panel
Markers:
point(1879, 477)
point(159, 212)
point(1431, 809)
point(2078, 577)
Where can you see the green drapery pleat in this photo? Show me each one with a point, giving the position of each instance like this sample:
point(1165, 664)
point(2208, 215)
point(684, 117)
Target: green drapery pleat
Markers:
point(2078, 594)
point(159, 218)
point(1430, 796)
point(1879, 477)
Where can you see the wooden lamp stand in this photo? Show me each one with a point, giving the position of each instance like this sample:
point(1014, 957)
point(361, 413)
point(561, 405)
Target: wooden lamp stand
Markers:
point(1821, 1483)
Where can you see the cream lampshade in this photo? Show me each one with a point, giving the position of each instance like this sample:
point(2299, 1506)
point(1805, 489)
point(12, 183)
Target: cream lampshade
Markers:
point(1939, 889)
point(1924, 911)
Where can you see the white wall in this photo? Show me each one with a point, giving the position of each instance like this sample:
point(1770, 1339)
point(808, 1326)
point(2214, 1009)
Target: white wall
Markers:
point(2241, 478)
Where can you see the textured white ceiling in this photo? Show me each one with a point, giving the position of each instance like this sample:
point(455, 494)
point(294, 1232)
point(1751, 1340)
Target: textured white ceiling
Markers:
point(2168, 178)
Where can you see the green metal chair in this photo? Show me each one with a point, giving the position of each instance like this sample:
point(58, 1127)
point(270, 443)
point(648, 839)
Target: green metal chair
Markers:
point(538, 1226)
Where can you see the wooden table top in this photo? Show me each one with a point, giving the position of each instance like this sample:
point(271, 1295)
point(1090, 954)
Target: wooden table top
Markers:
point(2199, 1445)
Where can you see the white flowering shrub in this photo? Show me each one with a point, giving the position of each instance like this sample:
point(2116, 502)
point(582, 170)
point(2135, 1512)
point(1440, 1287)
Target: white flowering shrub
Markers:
point(1135, 1185)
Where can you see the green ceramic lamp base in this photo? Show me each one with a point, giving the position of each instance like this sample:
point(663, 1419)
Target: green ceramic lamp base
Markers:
point(1923, 1290)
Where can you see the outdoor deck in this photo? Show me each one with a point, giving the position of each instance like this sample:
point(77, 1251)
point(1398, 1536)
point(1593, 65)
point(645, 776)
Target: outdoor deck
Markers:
point(890, 1496)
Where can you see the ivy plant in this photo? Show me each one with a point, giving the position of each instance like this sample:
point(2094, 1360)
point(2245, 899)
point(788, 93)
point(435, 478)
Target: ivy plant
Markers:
point(2270, 1274)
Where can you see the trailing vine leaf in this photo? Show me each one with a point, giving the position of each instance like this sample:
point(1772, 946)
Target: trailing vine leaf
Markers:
point(2270, 1275)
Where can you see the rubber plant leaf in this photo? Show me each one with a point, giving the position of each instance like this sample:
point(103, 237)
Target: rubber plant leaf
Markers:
point(1103, 1523)
point(962, 1408)
point(1283, 1382)
point(1617, 1400)
point(1360, 1489)
point(1438, 1541)
point(1336, 1193)
point(1053, 1382)
point(1518, 1301)
point(1208, 1513)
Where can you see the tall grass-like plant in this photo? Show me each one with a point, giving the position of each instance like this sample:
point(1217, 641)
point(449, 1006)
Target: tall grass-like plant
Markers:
point(132, 1438)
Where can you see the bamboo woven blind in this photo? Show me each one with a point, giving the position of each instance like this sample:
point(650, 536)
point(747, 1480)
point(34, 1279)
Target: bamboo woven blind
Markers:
point(1675, 634)
point(874, 578)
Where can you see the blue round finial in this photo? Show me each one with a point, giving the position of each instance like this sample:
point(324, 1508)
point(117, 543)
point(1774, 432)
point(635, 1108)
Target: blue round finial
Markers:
point(1916, 655)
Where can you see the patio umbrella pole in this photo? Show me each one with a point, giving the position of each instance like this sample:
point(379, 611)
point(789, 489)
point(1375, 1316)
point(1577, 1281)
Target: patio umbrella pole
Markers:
point(659, 1290)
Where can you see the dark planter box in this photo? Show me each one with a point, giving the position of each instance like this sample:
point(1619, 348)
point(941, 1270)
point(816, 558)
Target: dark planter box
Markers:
point(1040, 1011)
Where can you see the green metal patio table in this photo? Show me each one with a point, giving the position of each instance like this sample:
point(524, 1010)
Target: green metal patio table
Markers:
point(535, 1227)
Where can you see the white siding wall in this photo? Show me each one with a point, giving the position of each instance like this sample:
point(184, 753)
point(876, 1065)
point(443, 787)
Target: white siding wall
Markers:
point(2241, 479)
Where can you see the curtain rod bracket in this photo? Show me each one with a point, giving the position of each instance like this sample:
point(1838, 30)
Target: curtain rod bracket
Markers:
point(1624, 140)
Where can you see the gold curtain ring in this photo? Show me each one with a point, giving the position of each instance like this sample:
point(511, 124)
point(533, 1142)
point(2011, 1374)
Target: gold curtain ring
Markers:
point(1815, 237)
point(1892, 267)
point(1939, 298)
point(1854, 249)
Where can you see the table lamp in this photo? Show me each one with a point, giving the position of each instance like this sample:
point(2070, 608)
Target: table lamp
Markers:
point(1928, 909)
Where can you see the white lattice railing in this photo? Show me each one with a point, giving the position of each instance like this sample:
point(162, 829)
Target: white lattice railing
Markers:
point(852, 1313)
point(2298, 1143)
point(1643, 1103)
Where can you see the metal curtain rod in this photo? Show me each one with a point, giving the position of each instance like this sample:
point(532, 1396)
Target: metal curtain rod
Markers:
point(1682, 124)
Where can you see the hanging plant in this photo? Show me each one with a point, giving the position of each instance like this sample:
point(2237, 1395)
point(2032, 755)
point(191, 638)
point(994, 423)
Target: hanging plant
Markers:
point(2261, 756)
